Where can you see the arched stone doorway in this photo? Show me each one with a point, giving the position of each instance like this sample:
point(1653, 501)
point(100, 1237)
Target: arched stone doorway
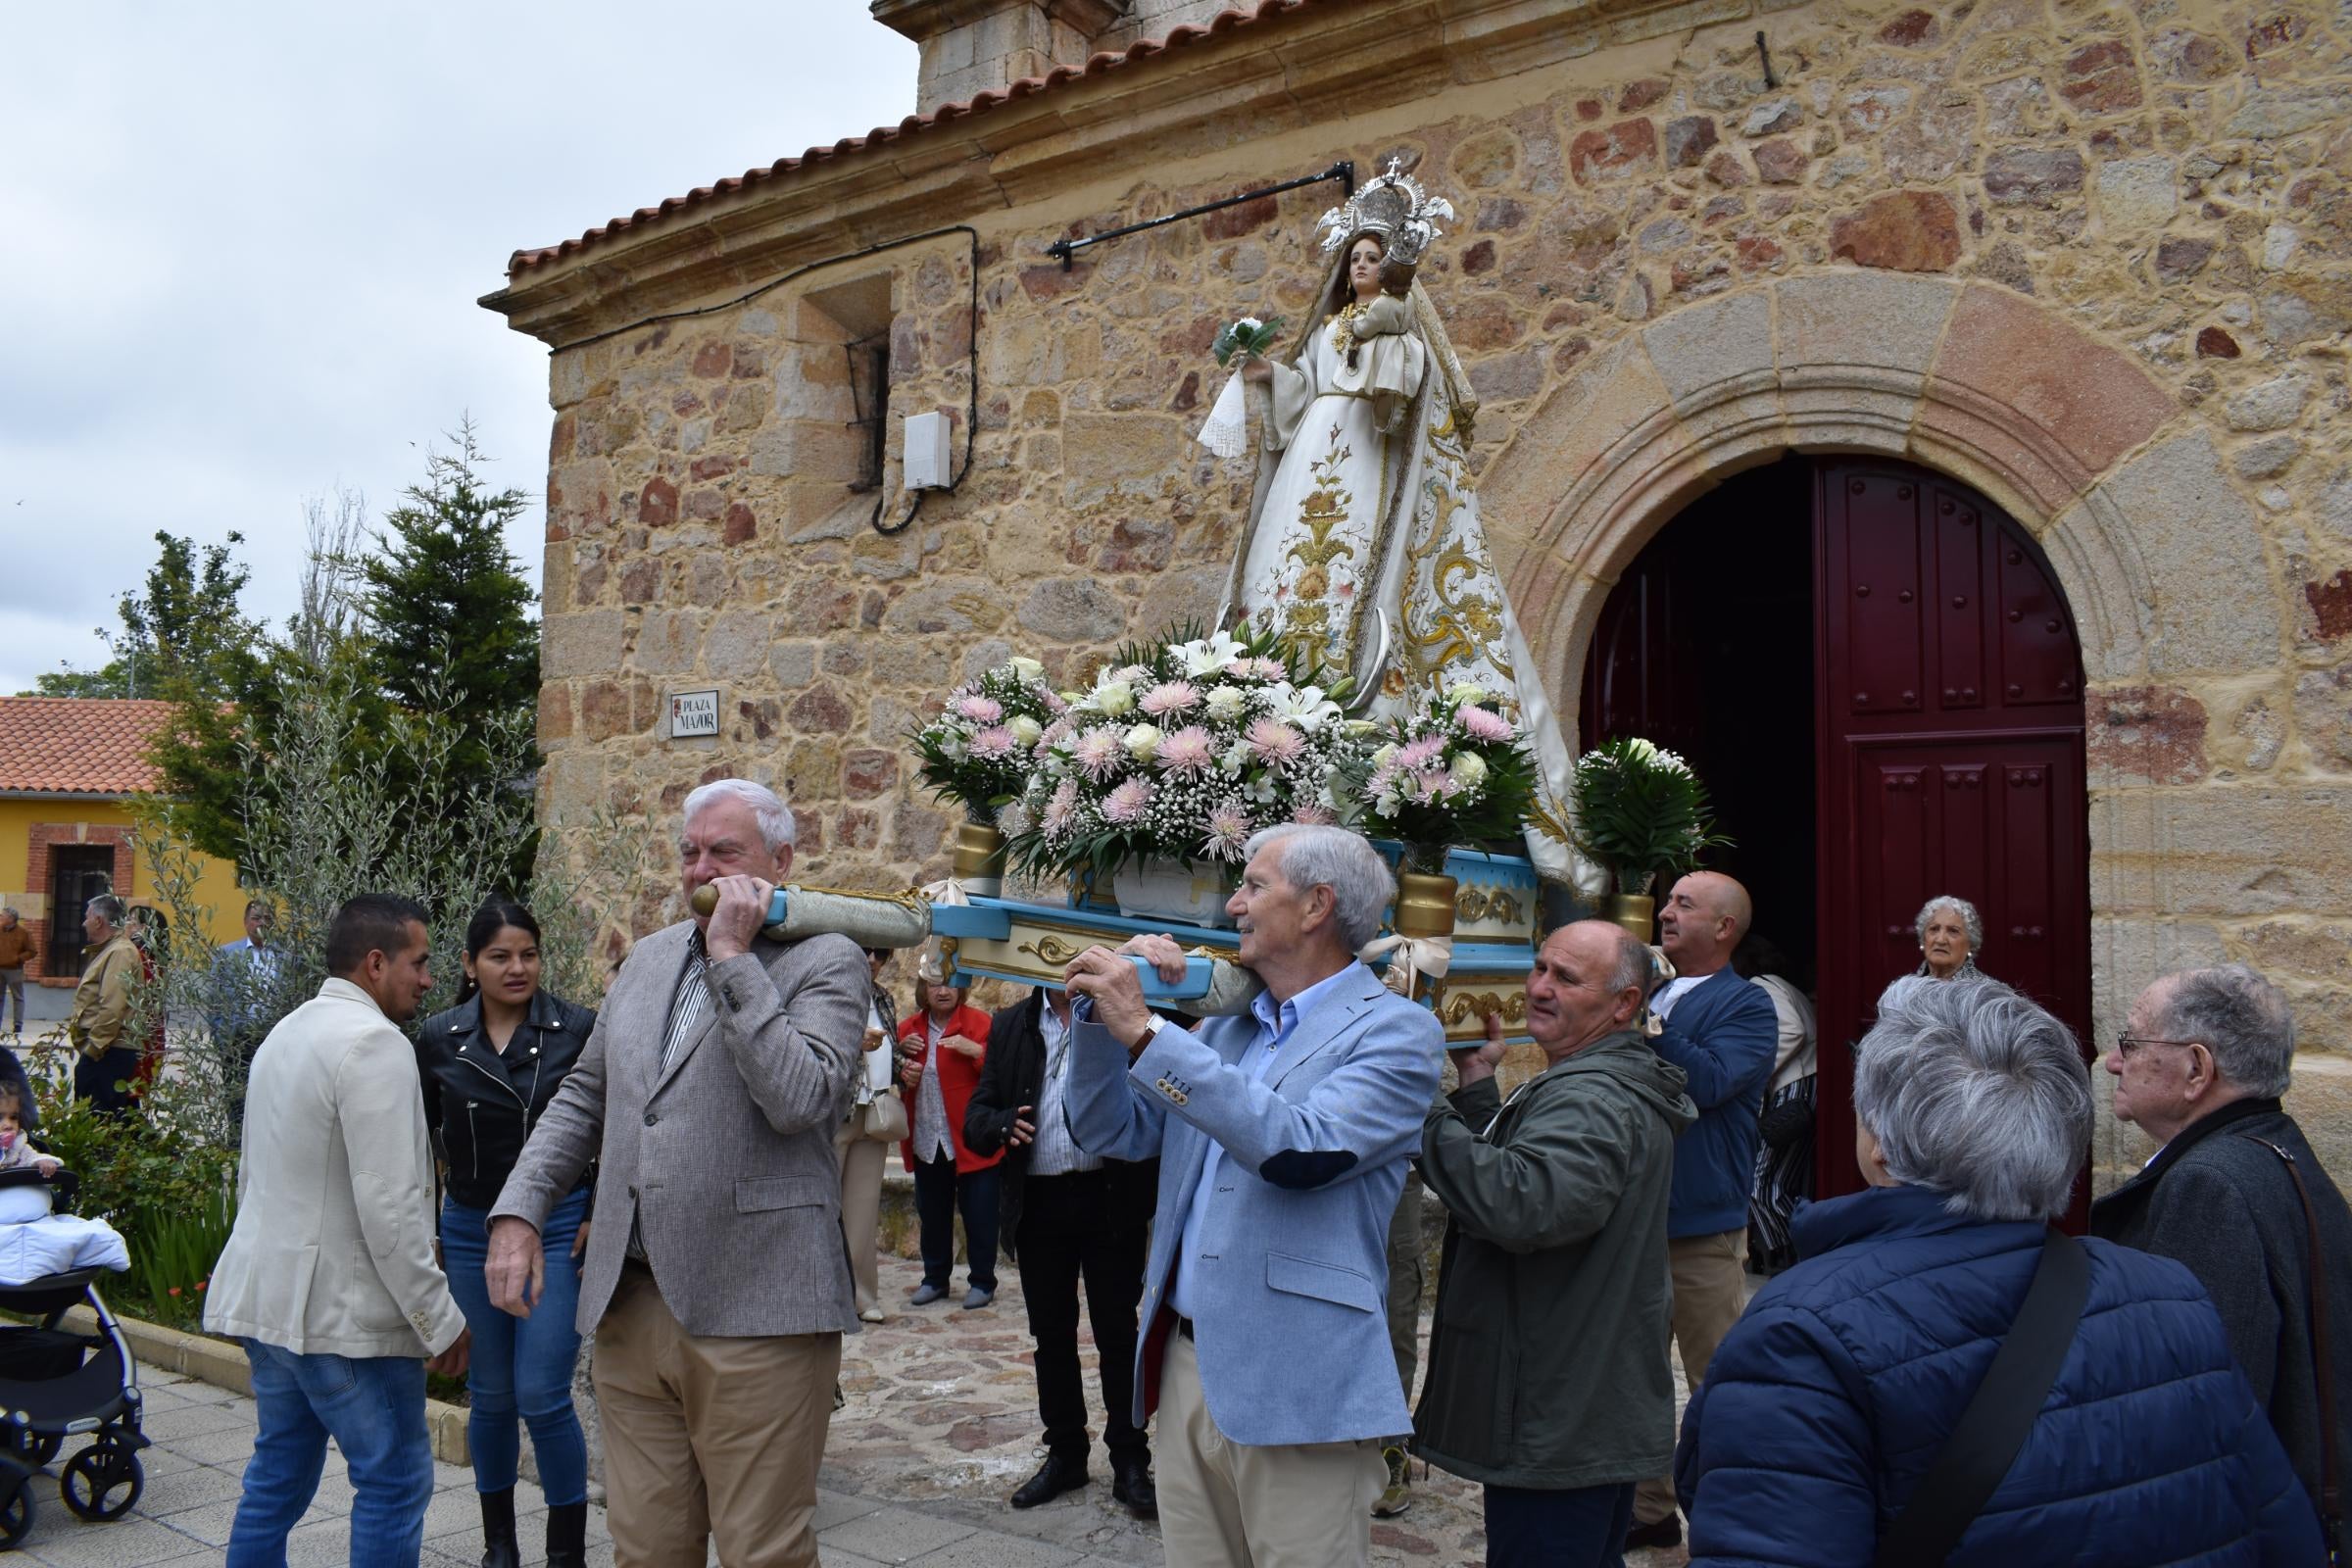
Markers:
point(2155, 551)
point(1876, 673)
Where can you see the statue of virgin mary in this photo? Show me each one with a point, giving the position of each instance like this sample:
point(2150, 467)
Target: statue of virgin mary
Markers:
point(1364, 547)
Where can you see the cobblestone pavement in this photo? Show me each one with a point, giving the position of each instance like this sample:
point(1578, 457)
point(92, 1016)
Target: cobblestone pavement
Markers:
point(939, 1428)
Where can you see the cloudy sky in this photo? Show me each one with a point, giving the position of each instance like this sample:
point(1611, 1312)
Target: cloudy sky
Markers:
point(240, 247)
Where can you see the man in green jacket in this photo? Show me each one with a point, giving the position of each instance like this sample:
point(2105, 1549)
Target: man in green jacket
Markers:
point(1548, 1376)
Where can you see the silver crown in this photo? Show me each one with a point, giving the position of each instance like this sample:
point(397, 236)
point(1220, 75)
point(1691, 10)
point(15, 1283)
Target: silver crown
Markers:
point(1391, 205)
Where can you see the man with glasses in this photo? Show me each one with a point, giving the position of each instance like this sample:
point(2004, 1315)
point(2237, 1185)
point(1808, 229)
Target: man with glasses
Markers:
point(2236, 1193)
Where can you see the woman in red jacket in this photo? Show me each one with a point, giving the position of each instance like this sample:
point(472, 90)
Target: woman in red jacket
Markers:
point(940, 1051)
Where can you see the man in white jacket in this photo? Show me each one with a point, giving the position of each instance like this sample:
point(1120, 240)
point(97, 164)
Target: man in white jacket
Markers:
point(330, 1278)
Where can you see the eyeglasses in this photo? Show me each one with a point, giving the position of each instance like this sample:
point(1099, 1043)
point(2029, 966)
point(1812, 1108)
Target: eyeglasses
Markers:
point(2127, 1044)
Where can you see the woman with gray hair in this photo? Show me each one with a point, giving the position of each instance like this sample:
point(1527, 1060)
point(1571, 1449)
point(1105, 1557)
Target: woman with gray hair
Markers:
point(1834, 1396)
point(1950, 931)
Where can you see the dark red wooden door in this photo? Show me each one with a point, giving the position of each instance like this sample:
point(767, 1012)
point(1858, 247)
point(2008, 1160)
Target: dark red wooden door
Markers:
point(1950, 710)
point(1904, 721)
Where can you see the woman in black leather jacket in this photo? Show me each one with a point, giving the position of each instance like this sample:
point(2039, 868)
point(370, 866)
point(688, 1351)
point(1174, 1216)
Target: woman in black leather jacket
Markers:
point(489, 1066)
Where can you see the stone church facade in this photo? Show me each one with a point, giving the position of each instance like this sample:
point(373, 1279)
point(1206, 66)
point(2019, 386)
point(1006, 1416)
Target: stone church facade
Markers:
point(2090, 259)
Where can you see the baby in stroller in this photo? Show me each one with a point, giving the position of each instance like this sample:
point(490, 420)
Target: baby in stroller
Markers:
point(34, 1241)
point(15, 1149)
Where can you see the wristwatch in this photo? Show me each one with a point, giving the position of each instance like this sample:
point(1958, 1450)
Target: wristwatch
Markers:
point(1151, 1027)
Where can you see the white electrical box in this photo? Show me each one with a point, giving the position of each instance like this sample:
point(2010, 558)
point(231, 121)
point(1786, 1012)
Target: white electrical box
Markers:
point(926, 459)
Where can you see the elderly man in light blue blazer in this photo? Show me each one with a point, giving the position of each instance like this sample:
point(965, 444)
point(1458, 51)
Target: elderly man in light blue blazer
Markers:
point(1282, 1139)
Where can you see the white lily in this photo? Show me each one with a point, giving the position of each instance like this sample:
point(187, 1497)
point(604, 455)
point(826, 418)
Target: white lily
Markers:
point(1210, 654)
point(1303, 705)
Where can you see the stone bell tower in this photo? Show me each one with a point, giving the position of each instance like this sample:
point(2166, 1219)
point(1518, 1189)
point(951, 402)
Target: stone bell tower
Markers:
point(975, 46)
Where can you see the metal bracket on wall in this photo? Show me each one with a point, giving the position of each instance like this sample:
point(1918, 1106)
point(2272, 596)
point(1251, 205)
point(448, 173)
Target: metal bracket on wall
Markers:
point(1067, 249)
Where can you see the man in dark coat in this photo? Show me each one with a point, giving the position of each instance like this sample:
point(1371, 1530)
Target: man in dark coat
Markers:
point(2200, 1065)
point(1549, 1377)
point(1722, 1031)
point(1065, 1214)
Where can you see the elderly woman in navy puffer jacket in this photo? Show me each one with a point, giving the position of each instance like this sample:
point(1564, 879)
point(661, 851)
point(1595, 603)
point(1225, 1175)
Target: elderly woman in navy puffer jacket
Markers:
point(1830, 1399)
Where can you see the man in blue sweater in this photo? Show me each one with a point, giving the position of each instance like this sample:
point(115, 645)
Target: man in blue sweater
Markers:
point(1722, 1031)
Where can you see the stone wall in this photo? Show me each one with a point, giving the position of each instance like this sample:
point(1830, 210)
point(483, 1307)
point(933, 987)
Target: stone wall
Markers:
point(2095, 260)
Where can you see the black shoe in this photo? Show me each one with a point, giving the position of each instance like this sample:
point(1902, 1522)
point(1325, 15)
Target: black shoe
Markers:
point(567, 1536)
point(1131, 1484)
point(500, 1549)
point(1666, 1532)
point(1054, 1477)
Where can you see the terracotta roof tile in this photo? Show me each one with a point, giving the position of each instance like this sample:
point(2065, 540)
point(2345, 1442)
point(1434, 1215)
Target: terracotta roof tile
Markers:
point(77, 744)
point(1224, 22)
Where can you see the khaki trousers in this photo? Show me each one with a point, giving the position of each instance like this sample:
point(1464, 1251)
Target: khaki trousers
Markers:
point(706, 1436)
point(1226, 1505)
point(860, 1207)
point(1710, 1291)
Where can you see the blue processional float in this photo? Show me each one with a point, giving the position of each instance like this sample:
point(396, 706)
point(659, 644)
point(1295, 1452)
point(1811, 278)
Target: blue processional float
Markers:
point(1365, 668)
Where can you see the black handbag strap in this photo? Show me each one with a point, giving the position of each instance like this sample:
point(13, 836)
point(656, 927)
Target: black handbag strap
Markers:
point(2323, 1356)
point(1973, 1459)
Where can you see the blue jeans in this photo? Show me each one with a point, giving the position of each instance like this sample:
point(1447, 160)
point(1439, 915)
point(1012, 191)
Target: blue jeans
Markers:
point(1584, 1528)
point(522, 1366)
point(373, 1407)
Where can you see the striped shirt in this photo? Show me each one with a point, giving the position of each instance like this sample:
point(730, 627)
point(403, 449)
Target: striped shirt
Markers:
point(688, 1002)
point(1055, 1153)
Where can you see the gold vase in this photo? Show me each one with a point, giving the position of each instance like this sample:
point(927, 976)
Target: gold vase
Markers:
point(1635, 911)
point(979, 863)
point(1425, 904)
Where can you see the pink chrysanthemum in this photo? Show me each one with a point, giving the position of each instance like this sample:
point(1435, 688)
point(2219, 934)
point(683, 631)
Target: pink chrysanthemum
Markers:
point(1481, 725)
point(1097, 753)
point(1053, 701)
point(994, 742)
point(1126, 804)
point(1062, 810)
point(1267, 668)
point(1188, 751)
point(1170, 697)
point(980, 709)
point(1054, 734)
point(1272, 741)
point(1313, 813)
point(1430, 788)
point(1421, 753)
point(1228, 831)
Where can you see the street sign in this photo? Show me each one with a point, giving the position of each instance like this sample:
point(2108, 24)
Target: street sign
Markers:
point(693, 713)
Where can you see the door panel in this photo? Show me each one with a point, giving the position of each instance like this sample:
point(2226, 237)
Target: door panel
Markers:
point(1976, 790)
point(78, 873)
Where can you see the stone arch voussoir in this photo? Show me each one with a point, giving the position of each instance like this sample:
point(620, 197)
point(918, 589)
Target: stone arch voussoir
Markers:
point(1970, 380)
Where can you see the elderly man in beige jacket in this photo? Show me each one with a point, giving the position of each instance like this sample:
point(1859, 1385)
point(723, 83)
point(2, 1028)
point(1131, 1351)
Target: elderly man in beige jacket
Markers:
point(329, 1277)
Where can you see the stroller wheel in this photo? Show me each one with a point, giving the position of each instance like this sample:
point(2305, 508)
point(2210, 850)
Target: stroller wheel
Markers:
point(16, 1517)
point(102, 1482)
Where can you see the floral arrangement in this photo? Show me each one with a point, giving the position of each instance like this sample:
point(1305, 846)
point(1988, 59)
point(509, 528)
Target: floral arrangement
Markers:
point(1246, 336)
point(1641, 811)
point(1180, 752)
point(977, 753)
point(1452, 770)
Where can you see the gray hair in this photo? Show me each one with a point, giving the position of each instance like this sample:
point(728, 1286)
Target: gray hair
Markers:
point(777, 826)
point(11, 911)
point(1633, 964)
point(2242, 1019)
point(1967, 912)
point(109, 908)
point(1974, 1091)
point(1317, 854)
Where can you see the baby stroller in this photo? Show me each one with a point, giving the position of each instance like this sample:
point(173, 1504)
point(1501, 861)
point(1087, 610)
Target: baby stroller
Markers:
point(56, 1384)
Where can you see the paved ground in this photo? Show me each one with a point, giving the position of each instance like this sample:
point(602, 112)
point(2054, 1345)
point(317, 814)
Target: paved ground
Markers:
point(939, 1428)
